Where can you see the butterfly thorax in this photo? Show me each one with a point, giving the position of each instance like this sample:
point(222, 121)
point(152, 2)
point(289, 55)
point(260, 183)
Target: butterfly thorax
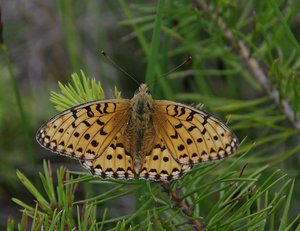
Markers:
point(140, 129)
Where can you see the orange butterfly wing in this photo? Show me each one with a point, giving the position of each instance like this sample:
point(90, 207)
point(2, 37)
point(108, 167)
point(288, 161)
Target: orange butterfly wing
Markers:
point(191, 135)
point(114, 163)
point(159, 164)
point(85, 131)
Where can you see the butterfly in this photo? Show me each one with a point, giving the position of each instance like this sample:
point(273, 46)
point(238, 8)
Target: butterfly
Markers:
point(140, 138)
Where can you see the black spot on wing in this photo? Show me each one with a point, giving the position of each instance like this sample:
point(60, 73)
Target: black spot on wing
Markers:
point(157, 146)
point(98, 108)
point(175, 136)
point(178, 126)
point(102, 132)
point(205, 118)
point(98, 166)
point(70, 146)
point(94, 143)
point(113, 146)
point(89, 111)
point(119, 156)
point(109, 157)
point(182, 111)
point(181, 147)
point(73, 111)
point(105, 108)
point(87, 136)
point(120, 145)
point(86, 123)
point(115, 175)
point(175, 110)
point(191, 128)
point(170, 109)
point(189, 141)
point(194, 155)
point(89, 151)
point(191, 116)
point(115, 106)
point(100, 122)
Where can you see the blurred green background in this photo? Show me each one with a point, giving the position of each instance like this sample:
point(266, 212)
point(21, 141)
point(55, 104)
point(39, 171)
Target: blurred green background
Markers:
point(46, 41)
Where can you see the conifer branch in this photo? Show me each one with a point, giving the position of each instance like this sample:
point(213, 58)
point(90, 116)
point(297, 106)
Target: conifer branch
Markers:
point(251, 63)
point(183, 205)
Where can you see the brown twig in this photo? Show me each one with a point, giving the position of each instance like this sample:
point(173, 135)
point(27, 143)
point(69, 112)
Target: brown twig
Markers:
point(183, 205)
point(251, 63)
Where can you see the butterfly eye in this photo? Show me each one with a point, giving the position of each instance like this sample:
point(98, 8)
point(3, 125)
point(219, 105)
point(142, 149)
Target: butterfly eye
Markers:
point(148, 105)
point(148, 92)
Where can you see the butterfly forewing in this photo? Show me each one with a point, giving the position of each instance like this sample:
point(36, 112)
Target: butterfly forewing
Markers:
point(84, 131)
point(192, 136)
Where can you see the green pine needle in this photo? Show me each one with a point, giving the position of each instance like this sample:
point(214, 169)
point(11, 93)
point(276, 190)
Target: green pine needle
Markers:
point(82, 90)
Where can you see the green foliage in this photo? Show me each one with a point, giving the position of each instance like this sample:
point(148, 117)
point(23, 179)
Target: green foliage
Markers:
point(288, 85)
point(82, 90)
point(228, 200)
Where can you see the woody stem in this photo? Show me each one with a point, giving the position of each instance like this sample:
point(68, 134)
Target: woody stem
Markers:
point(183, 205)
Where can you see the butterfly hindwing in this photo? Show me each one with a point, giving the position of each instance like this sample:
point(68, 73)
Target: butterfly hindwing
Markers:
point(191, 135)
point(84, 131)
point(115, 162)
point(159, 164)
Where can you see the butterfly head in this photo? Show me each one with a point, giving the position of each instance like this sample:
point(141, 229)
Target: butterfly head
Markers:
point(143, 89)
point(142, 102)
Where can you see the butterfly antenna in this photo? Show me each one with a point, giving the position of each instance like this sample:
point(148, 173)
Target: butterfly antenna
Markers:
point(112, 62)
point(187, 60)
